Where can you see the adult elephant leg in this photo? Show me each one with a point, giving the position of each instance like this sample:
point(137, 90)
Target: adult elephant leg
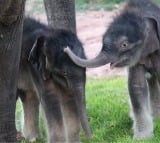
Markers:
point(51, 106)
point(154, 89)
point(143, 124)
point(70, 119)
point(31, 116)
point(10, 43)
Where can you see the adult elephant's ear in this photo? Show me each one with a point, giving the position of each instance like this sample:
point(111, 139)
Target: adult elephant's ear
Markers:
point(38, 57)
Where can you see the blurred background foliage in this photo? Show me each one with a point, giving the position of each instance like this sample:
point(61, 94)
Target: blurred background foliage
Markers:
point(99, 1)
point(100, 4)
point(97, 4)
point(36, 6)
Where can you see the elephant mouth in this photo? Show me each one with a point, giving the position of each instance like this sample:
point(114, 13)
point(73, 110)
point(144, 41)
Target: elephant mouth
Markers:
point(120, 63)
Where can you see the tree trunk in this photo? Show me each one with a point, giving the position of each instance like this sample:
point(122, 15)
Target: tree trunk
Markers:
point(61, 14)
point(10, 42)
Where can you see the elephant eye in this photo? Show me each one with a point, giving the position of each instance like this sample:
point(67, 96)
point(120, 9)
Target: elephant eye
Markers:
point(123, 46)
point(60, 72)
point(64, 73)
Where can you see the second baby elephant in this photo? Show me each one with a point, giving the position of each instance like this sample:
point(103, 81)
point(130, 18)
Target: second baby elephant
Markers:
point(46, 71)
point(133, 40)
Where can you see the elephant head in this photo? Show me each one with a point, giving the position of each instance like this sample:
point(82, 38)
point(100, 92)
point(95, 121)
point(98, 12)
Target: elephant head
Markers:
point(47, 53)
point(133, 35)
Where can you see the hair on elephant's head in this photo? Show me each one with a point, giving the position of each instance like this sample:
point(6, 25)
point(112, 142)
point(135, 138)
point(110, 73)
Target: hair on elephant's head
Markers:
point(47, 53)
point(53, 64)
point(133, 35)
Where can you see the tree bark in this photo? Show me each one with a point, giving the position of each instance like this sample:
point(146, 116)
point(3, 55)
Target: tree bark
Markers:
point(11, 18)
point(61, 14)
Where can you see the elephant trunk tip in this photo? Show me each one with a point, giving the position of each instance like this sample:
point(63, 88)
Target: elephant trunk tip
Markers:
point(89, 135)
point(66, 49)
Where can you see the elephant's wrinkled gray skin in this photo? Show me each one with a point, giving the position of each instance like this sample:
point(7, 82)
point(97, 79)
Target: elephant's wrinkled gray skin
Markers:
point(11, 20)
point(45, 70)
point(132, 40)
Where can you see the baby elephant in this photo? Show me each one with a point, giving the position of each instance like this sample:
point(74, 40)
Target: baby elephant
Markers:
point(49, 76)
point(133, 40)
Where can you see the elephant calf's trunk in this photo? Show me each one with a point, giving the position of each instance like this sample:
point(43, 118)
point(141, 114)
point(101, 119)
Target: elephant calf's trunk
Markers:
point(100, 60)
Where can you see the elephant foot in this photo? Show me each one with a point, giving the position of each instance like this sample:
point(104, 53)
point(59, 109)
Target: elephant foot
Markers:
point(143, 125)
point(32, 137)
point(143, 135)
point(33, 140)
point(143, 130)
point(19, 136)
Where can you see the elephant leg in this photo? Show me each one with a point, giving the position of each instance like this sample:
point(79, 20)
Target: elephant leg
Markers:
point(143, 124)
point(71, 119)
point(154, 86)
point(51, 106)
point(11, 22)
point(31, 116)
point(154, 89)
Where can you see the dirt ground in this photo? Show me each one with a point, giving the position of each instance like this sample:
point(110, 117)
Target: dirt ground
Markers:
point(91, 26)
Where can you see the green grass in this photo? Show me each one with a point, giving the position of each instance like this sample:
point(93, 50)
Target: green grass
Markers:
point(108, 111)
point(107, 106)
point(158, 1)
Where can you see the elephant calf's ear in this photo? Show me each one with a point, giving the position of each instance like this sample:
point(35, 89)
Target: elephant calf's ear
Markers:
point(36, 49)
point(37, 56)
point(152, 31)
point(156, 24)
